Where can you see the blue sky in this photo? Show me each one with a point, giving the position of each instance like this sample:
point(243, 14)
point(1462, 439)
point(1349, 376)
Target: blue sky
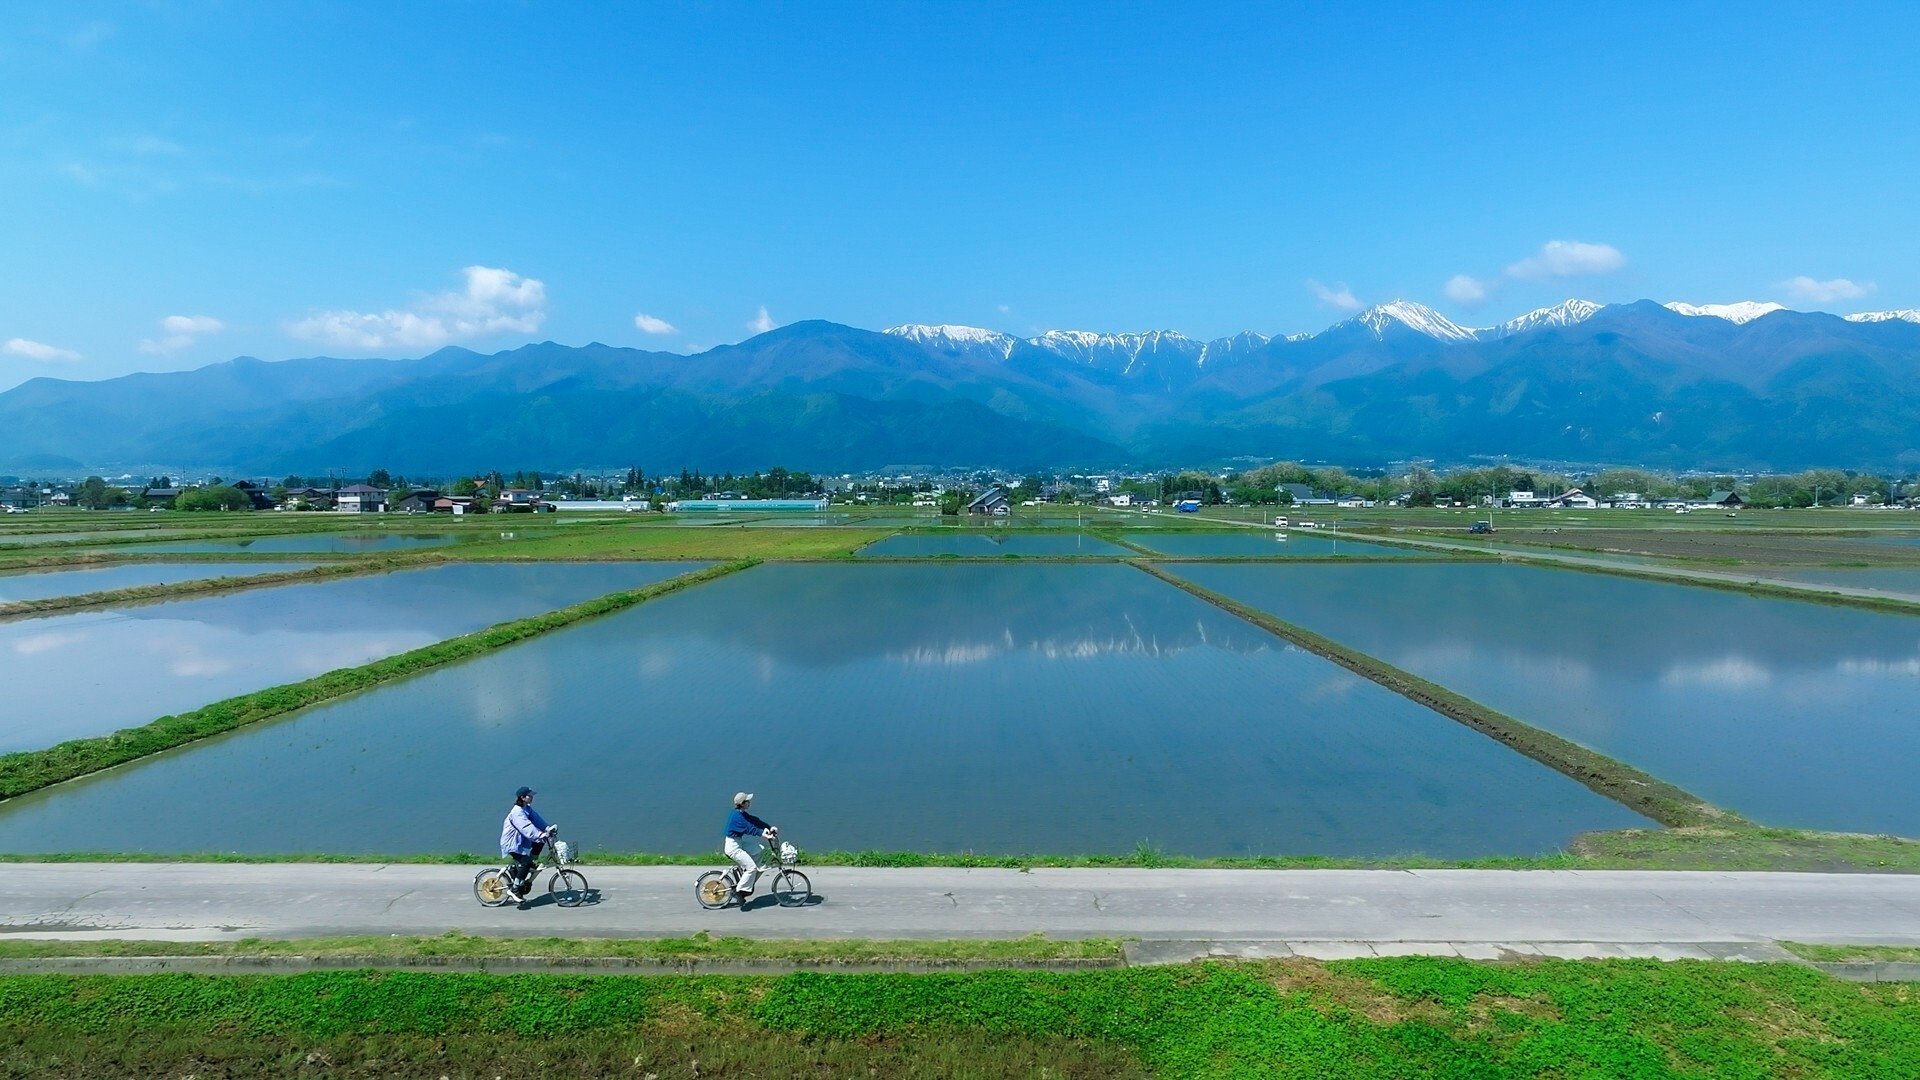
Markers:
point(185, 182)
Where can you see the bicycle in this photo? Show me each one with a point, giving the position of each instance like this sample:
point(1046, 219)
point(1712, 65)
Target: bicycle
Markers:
point(714, 889)
point(493, 887)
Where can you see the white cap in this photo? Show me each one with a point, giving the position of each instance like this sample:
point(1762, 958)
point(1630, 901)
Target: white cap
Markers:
point(741, 798)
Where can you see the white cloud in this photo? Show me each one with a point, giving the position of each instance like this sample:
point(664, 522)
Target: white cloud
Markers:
point(495, 301)
point(182, 331)
point(1462, 289)
point(1569, 258)
point(1338, 295)
point(34, 350)
point(1825, 292)
point(651, 325)
point(762, 322)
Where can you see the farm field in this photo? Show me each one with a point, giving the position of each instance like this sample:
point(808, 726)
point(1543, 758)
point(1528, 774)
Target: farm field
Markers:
point(980, 651)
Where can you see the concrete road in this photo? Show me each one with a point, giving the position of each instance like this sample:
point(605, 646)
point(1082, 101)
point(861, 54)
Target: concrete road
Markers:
point(1642, 909)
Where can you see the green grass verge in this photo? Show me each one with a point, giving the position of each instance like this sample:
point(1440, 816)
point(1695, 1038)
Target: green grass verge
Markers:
point(701, 946)
point(1642, 792)
point(1841, 954)
point(32, 770)
point(1721, 847)
point(1395, 1018)
point(1745, 846)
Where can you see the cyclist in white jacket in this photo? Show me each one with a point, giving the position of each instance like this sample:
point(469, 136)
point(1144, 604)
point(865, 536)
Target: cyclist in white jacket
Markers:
point(522, 837)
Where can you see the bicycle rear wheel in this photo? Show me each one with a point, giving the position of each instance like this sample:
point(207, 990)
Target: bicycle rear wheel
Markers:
point(569, 888)
point(491, 887)
point(714, 890)
point(792, 888)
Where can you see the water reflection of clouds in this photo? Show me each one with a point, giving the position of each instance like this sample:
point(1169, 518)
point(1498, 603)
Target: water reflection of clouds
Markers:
point(1731, 672)
point(503, 694)
point(1087, 647)
point(948, 655)
point(1907, 668)
point(35, 644)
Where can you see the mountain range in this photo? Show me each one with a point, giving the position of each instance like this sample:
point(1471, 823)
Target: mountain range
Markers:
point(1740, 386)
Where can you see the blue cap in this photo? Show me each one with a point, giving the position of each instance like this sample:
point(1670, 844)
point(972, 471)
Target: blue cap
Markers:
point(523, 793)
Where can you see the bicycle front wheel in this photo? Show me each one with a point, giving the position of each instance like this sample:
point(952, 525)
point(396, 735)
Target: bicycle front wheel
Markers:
point(491, 887)
point(569, 888)
point(792, 888)
point(714, 890)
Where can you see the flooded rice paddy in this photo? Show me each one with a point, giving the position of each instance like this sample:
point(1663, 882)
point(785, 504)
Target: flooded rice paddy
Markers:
point(992, 543)
point(335, 543)
point(1792, 713)
point(1050, 708)
point(1904, 580)
point(92, 672)
point(1278, 544)
point(47, 584)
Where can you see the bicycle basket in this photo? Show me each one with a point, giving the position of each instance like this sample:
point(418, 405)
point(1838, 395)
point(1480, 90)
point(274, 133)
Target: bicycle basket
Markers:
point(563, 852)
point(788, 854)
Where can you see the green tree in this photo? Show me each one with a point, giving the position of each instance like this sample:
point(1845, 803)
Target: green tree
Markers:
point(218, 497)
point(94, 494)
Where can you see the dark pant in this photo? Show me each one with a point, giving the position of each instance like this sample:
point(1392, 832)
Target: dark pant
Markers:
point(524, 866)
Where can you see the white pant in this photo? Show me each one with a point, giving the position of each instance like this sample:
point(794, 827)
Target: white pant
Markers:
point(745, 854)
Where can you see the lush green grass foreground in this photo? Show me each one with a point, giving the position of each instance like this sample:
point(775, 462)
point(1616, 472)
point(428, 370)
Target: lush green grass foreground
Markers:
point(1409, 1017)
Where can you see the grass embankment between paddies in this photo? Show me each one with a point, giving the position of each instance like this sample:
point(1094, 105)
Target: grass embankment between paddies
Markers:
point(1402, 1017)
point(180, 590)
point(1642, 792)
point(32, 770)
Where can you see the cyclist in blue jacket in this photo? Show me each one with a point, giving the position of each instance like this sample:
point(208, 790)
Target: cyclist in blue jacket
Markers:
point(744, 833)
point(522, 837)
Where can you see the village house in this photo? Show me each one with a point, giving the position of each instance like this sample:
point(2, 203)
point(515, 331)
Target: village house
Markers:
point(522, 501)
point(161, 496)
point(258, 496)
point(1574, 499)
point(994, 501)
point(360, 499)
point(413, 500)
point(1302, 495)
point(307, 498)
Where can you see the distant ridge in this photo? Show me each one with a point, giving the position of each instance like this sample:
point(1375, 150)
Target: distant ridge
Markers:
point(1734, 386)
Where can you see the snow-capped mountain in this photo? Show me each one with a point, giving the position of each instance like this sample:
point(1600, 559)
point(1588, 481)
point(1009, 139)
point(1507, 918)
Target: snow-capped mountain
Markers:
point(963, 340)
point(1102, 350)
point(1635, 383)
point(1743, 312)
point(1132, 354)
point(1407, 314)
point(1244, 343)
point(1567, 313)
